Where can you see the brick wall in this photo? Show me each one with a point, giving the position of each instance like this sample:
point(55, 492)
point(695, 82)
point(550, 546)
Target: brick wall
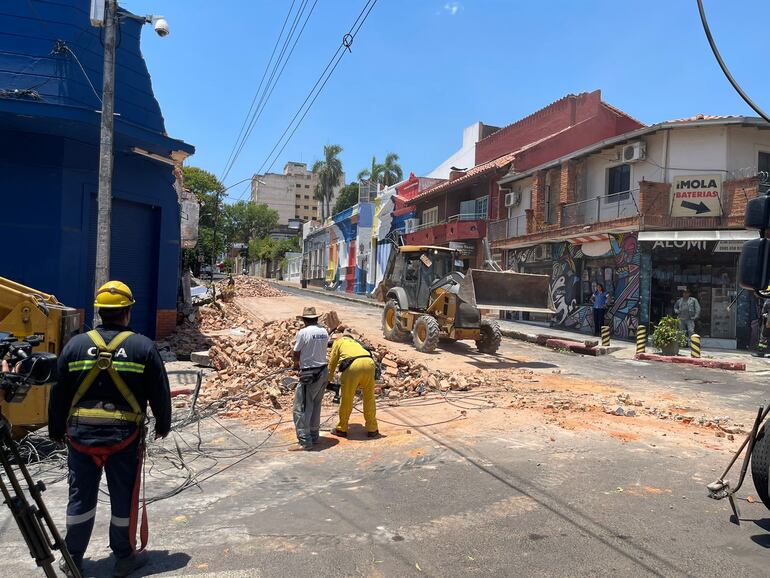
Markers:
point(735, 195)
point(568, 182)
point(165, 323)
point(655, 206)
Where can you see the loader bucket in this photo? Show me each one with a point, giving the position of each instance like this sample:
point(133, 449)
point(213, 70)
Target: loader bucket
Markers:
point(506, 291)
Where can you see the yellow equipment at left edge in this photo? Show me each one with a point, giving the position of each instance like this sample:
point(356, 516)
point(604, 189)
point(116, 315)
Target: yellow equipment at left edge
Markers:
point(25, 311)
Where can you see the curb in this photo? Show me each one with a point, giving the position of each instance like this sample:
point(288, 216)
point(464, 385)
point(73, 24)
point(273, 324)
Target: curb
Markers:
point(587, 347)
point(700, 362)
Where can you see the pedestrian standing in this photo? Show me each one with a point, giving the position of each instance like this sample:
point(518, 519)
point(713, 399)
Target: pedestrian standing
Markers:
point(310, 359)
point(106, 379)
point(687, 309)
point(764, 334)
point(599, 302)
point(357, 370)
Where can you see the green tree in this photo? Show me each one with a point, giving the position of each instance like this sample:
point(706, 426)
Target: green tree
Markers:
point(247, 221)
point(205, 186)
point(391, 172)
point(207, 189)
point(347, 197)
point(372, 173)
point(329, 171)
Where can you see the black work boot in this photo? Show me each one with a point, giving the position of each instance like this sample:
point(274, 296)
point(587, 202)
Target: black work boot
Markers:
point(124, 566)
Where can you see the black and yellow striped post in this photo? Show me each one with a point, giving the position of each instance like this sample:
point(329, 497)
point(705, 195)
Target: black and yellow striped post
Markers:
point(605, 336)
point(641, 339)
point(695, 345)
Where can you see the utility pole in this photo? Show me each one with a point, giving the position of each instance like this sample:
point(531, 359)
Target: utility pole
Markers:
point(104, 198)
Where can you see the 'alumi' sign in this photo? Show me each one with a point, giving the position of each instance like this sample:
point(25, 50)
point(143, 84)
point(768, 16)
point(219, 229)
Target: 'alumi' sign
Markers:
point(696, 196)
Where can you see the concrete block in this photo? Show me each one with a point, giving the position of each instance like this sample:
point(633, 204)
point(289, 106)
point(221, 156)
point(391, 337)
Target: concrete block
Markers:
point(201, 358)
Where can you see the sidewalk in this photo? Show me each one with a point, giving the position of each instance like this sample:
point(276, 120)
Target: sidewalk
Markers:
point(517, 330)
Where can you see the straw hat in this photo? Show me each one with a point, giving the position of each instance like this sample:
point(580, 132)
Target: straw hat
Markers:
point(309, 313)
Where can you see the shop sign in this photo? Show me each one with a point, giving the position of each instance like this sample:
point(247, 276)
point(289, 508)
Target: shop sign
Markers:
point(696, 196)
point(682, 245)
point(465, 249)
point(729, 247)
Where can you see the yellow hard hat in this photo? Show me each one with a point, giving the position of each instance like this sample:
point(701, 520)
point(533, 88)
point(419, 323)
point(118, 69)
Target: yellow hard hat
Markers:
point(113, 295)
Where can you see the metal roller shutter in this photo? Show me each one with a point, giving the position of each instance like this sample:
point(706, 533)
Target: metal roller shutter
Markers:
point(134, 258)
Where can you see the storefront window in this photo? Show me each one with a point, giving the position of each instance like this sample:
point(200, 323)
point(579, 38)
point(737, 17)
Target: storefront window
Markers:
point(710, 275)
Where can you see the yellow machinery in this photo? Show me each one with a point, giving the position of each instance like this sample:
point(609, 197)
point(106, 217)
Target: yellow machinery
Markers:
point(427, 298)
point(23, 312)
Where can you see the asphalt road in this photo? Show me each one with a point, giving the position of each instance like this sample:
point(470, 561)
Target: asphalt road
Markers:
point(456, 487)
point(456, 499)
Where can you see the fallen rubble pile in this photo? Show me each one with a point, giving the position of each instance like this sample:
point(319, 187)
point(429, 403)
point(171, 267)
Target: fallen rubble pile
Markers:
point(252, 369)
point(246, 286)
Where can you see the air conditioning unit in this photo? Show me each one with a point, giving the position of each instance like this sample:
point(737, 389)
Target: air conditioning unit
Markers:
point(542, 252)
point(633, 152)
point(513, 199)
point(410, 225)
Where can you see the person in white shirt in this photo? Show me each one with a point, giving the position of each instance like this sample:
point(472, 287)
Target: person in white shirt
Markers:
point(310, 359)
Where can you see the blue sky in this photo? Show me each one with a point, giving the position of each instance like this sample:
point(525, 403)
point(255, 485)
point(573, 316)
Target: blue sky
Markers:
point(422, 70)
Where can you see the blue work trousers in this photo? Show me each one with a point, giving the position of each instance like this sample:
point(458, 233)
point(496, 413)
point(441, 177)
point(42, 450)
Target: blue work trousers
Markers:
point(84, 478)
point(307, 405)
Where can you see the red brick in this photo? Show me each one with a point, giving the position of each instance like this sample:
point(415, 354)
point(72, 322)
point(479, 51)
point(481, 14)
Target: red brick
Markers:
point(165, 323)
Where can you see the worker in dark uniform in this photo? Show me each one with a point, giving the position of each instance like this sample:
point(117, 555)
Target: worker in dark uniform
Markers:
point(106, 379)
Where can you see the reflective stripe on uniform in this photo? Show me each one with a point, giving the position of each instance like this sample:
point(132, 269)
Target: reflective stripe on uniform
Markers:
point(120, 522)
point(125, 366)
point(84, 412)
point(80, 518)
point(128, 366)
point(81, 365)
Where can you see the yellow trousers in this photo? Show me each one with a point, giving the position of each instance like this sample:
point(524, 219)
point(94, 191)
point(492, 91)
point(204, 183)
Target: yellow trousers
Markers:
point(360, 375)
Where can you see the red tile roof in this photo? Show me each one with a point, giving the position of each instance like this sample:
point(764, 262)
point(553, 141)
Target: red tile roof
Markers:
point(476, 171)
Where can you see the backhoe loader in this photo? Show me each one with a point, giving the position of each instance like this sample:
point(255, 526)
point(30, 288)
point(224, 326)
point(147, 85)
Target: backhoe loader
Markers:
point(26, 312)
point(428, 299)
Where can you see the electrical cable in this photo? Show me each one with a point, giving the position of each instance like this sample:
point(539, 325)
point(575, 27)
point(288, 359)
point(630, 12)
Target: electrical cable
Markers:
point(271, 87)
point(256, 93)
point(315, 91)
point(723, 66)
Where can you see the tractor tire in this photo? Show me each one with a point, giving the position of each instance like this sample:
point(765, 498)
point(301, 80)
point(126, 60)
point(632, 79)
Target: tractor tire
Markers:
point(760, 466)
point(490, 337)
point(390, 326)
point(425, 334)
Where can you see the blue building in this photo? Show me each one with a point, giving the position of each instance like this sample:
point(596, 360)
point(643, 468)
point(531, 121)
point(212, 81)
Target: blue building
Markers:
point(50, 82)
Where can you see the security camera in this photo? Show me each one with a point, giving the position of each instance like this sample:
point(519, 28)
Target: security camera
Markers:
point(160, 25)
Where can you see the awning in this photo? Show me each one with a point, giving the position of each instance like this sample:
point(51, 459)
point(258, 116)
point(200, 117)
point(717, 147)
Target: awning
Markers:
point(723, 235)
point(583, 239)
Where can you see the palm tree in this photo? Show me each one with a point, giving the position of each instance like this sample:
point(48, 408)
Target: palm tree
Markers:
point(391, 172)
point(329, 171)
point(371, 174)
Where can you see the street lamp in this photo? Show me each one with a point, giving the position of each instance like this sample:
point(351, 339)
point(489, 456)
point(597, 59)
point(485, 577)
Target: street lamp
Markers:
point(104, 14)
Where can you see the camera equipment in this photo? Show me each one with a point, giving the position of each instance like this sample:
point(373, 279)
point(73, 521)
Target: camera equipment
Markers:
point(34, 521)
point(335, 387)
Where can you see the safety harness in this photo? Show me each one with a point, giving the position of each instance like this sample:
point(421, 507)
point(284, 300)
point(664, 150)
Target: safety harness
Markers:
point(100, 454)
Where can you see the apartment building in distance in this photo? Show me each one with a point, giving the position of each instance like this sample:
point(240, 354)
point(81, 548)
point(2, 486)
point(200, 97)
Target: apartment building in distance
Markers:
point(290, 193)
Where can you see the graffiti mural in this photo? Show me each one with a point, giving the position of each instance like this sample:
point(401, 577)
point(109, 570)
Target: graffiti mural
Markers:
point(574, 277)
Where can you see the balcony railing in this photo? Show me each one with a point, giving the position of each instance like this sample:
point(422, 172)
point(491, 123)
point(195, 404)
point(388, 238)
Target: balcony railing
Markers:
point(468, 217)
point(508, 228)
point(604, 208)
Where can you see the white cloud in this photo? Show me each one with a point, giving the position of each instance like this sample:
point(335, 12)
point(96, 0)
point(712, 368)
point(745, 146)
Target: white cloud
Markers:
point(452, 8)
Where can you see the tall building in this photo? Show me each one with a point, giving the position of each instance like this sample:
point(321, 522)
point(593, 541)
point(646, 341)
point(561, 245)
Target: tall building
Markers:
point(290, 193)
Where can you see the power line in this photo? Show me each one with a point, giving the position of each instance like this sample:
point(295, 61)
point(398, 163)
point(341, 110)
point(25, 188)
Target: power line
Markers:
point(315, 91)
point(267, 88)
point(266, 97)
point(723, 66)
point(256, 94)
